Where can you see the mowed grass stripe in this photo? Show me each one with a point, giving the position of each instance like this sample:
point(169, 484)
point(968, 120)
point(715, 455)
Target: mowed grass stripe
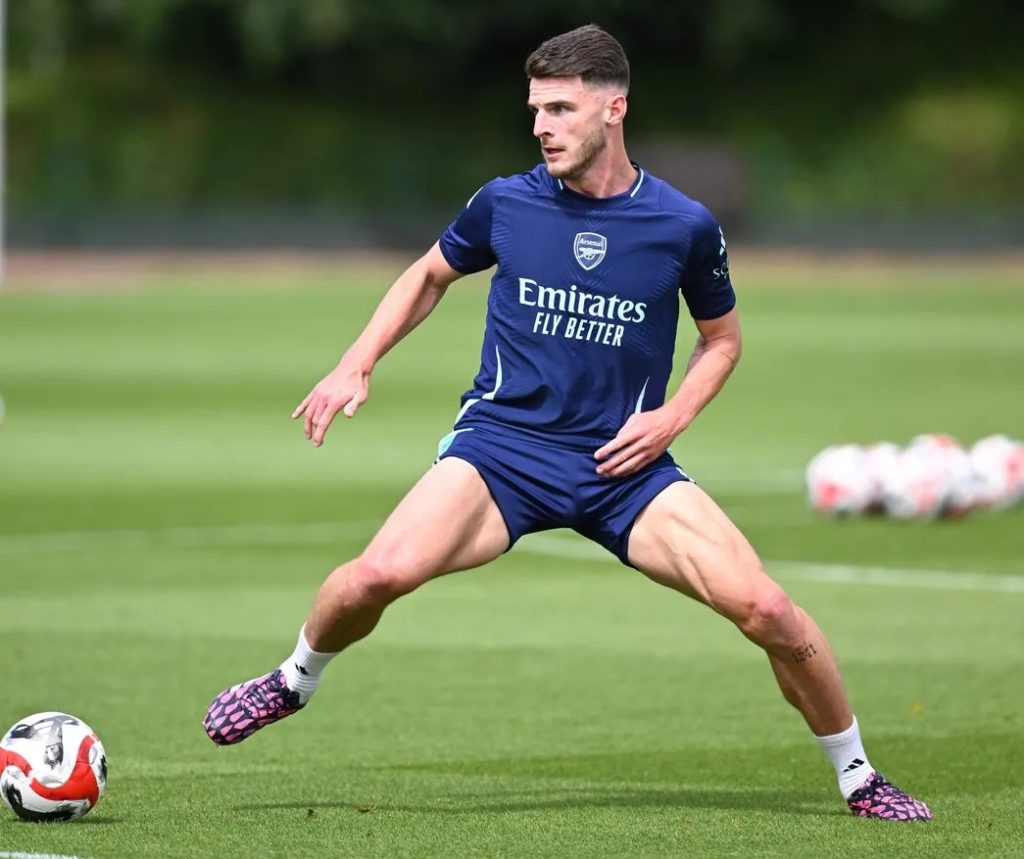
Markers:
point(840, 574)
point(196, 536)
point(330, 533)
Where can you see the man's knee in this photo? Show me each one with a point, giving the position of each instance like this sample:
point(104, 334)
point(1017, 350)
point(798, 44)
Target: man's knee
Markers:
point(768, 617)
point(382, 576)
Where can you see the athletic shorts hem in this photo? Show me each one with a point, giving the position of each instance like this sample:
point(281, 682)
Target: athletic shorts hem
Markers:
point(657, 484)
point(482, 471)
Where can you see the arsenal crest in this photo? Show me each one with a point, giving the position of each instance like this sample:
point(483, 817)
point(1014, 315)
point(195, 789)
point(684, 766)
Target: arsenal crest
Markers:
point(590, 249)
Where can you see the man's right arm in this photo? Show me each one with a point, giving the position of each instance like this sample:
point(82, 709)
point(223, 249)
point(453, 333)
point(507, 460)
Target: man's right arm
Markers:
point(409, 301)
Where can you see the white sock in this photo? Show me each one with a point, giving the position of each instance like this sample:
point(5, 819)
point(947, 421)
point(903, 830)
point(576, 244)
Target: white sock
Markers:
point(847, 754)
point(303, 668)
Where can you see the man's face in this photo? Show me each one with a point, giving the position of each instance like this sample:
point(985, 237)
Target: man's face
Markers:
point(569, 121)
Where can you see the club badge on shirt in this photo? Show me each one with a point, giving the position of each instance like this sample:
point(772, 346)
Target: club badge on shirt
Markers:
point(590, 249)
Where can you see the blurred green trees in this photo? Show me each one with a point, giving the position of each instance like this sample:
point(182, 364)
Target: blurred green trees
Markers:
point(894, 105)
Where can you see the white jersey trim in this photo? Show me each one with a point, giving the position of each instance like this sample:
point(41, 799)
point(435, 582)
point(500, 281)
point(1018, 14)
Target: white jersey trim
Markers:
point(489, 395)
point(497, 377)
point(640, 182)
point(640, 399)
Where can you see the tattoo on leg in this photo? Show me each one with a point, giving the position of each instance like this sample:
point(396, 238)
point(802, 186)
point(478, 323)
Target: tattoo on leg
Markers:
point(804, 653)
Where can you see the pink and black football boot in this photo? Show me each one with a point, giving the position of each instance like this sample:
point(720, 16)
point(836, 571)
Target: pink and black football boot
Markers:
point(882, 799)
point(240, 711)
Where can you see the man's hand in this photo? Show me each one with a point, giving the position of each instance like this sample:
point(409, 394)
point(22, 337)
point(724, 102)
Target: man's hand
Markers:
point(642, 439)
point(344, 388)
point(647, 435)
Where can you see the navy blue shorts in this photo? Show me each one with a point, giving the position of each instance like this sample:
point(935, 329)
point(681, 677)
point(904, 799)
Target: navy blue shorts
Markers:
point(538, 486)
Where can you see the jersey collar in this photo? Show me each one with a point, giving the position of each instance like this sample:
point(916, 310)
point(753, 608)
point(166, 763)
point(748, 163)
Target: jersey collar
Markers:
point(616, 199)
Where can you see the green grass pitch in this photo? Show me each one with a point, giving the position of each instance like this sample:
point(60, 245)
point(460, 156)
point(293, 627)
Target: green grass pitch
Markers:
point(164, 526)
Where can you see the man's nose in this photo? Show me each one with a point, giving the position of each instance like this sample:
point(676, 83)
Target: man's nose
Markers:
point(540, 125)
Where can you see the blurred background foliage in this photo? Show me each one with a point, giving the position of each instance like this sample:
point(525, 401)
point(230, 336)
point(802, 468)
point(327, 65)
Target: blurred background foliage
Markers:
point(872, 107)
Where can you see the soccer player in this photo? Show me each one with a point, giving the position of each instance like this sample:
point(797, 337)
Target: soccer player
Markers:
point(567, 424)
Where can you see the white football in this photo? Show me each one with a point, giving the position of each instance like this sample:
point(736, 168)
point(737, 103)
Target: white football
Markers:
point(952, 463)
point(880, 459)
point(838, 482)
point(998, 465)
point(914, 488)
point(52, 768)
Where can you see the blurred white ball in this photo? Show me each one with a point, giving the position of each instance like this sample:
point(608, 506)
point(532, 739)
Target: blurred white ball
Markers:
point(838, 482)
point(914, 488)
point(998, 465)
point(880, 459)
point(948, 457)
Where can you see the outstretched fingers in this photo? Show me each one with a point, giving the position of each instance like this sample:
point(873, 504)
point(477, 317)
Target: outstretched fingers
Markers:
point(301, 407)
point(339, 390)
point(323, 422)
point(313, 415)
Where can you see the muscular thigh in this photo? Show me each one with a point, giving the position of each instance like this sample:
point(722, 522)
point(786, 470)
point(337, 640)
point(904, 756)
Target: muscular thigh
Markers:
point(683, 540)
point(447, 522)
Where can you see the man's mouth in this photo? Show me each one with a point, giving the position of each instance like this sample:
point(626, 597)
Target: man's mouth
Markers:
point(550, 151)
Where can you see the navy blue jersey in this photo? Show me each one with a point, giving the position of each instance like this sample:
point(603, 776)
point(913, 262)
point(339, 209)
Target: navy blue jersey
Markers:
point(584, 304)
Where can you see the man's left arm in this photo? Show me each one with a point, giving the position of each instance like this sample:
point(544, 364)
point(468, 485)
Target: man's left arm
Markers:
point(647, 435)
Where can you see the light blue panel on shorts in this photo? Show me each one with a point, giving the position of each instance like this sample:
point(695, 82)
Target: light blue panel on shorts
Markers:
point(446, 442)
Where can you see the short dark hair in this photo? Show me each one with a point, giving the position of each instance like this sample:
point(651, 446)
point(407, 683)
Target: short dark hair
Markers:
point(590, 52)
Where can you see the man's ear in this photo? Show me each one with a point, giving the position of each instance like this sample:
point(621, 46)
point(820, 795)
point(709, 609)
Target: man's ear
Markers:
point(615, 109)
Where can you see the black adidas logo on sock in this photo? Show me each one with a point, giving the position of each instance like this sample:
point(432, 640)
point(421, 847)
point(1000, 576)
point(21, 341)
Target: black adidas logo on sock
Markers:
point(857, 762)
point(304, 671)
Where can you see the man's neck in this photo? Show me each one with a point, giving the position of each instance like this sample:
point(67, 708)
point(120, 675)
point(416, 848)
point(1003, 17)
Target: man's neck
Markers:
point(615, 176)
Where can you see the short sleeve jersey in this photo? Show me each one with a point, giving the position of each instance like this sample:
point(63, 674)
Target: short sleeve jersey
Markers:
point(584, 303)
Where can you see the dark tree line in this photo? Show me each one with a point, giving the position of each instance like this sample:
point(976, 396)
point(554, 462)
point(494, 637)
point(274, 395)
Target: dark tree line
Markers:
point(320, 44)
point(362, 102)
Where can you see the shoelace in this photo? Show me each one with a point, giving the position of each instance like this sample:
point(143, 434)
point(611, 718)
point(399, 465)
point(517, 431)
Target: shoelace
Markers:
point(260, 695)
point(889, 791)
